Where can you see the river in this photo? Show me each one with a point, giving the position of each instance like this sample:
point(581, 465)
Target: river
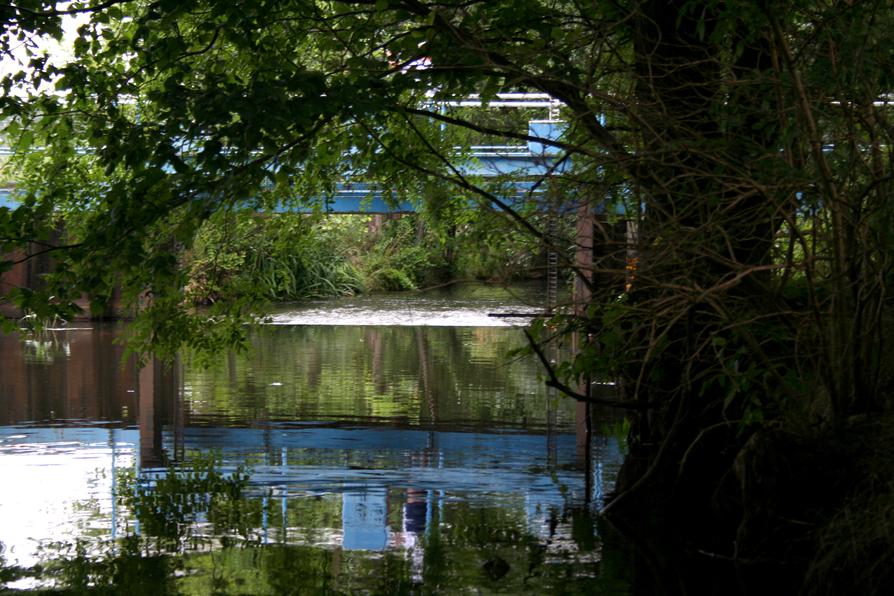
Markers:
point(390, 444)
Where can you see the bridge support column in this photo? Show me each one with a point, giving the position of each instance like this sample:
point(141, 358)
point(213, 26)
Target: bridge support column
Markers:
point(24, 274)
point(583, 258)
point(583, 264)
point(377, 223)
point(33, 261)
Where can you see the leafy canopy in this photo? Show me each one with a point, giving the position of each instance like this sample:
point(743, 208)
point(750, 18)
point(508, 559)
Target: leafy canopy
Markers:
point(747, 139)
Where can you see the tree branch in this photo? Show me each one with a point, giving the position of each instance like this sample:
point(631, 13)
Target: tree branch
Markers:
point(557, 384)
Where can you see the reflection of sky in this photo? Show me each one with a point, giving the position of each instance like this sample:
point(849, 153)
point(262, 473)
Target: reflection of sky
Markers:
point(365, 519)
point(323, 459)
point(364, 465)
point(58, 485)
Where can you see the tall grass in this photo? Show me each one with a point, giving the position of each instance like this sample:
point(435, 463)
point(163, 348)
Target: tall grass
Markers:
point(289, 257)
point(278, 257)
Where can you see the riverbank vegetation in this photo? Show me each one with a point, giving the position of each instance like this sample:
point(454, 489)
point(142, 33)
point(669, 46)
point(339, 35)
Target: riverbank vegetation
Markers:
point(294, 256)
point(749, 144)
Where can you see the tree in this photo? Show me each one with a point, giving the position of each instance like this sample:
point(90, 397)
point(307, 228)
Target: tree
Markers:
point(749, 141)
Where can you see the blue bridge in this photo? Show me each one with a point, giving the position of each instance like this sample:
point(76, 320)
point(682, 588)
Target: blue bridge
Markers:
point(522, 166)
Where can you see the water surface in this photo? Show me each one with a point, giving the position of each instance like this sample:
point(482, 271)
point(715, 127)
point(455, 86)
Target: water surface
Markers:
point(391, 453)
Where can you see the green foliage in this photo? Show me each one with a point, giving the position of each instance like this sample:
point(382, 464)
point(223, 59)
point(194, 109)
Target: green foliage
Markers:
point(279, 257)
point(287, 257)
point(750, 143)
point(489, 247)
point(400, 259)
point(169, 114)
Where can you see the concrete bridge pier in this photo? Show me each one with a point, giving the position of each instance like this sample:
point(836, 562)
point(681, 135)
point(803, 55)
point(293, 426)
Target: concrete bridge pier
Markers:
point(581, 295)
point(602, 260)
point(31, 264)
point(27, 273)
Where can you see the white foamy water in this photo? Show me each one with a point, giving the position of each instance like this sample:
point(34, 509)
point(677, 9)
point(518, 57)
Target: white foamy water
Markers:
point(492, 309)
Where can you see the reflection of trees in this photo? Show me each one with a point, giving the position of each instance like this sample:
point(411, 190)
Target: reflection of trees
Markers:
point(9, 573)
point(123, 568)
point(168, 506)
point(376, 341)
point(426, 374)
point(427, 383)
point(200, 529)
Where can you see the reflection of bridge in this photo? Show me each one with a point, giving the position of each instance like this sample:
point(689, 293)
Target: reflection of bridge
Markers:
point(368, 465)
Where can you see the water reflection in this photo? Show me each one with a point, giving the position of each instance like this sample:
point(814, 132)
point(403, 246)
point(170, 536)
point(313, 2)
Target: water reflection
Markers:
point(455, 376)
point(66, 376)
point(59, 485)
point(359, 458)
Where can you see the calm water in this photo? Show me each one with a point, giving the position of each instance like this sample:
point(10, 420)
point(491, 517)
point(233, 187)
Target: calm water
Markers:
point(379, 445)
